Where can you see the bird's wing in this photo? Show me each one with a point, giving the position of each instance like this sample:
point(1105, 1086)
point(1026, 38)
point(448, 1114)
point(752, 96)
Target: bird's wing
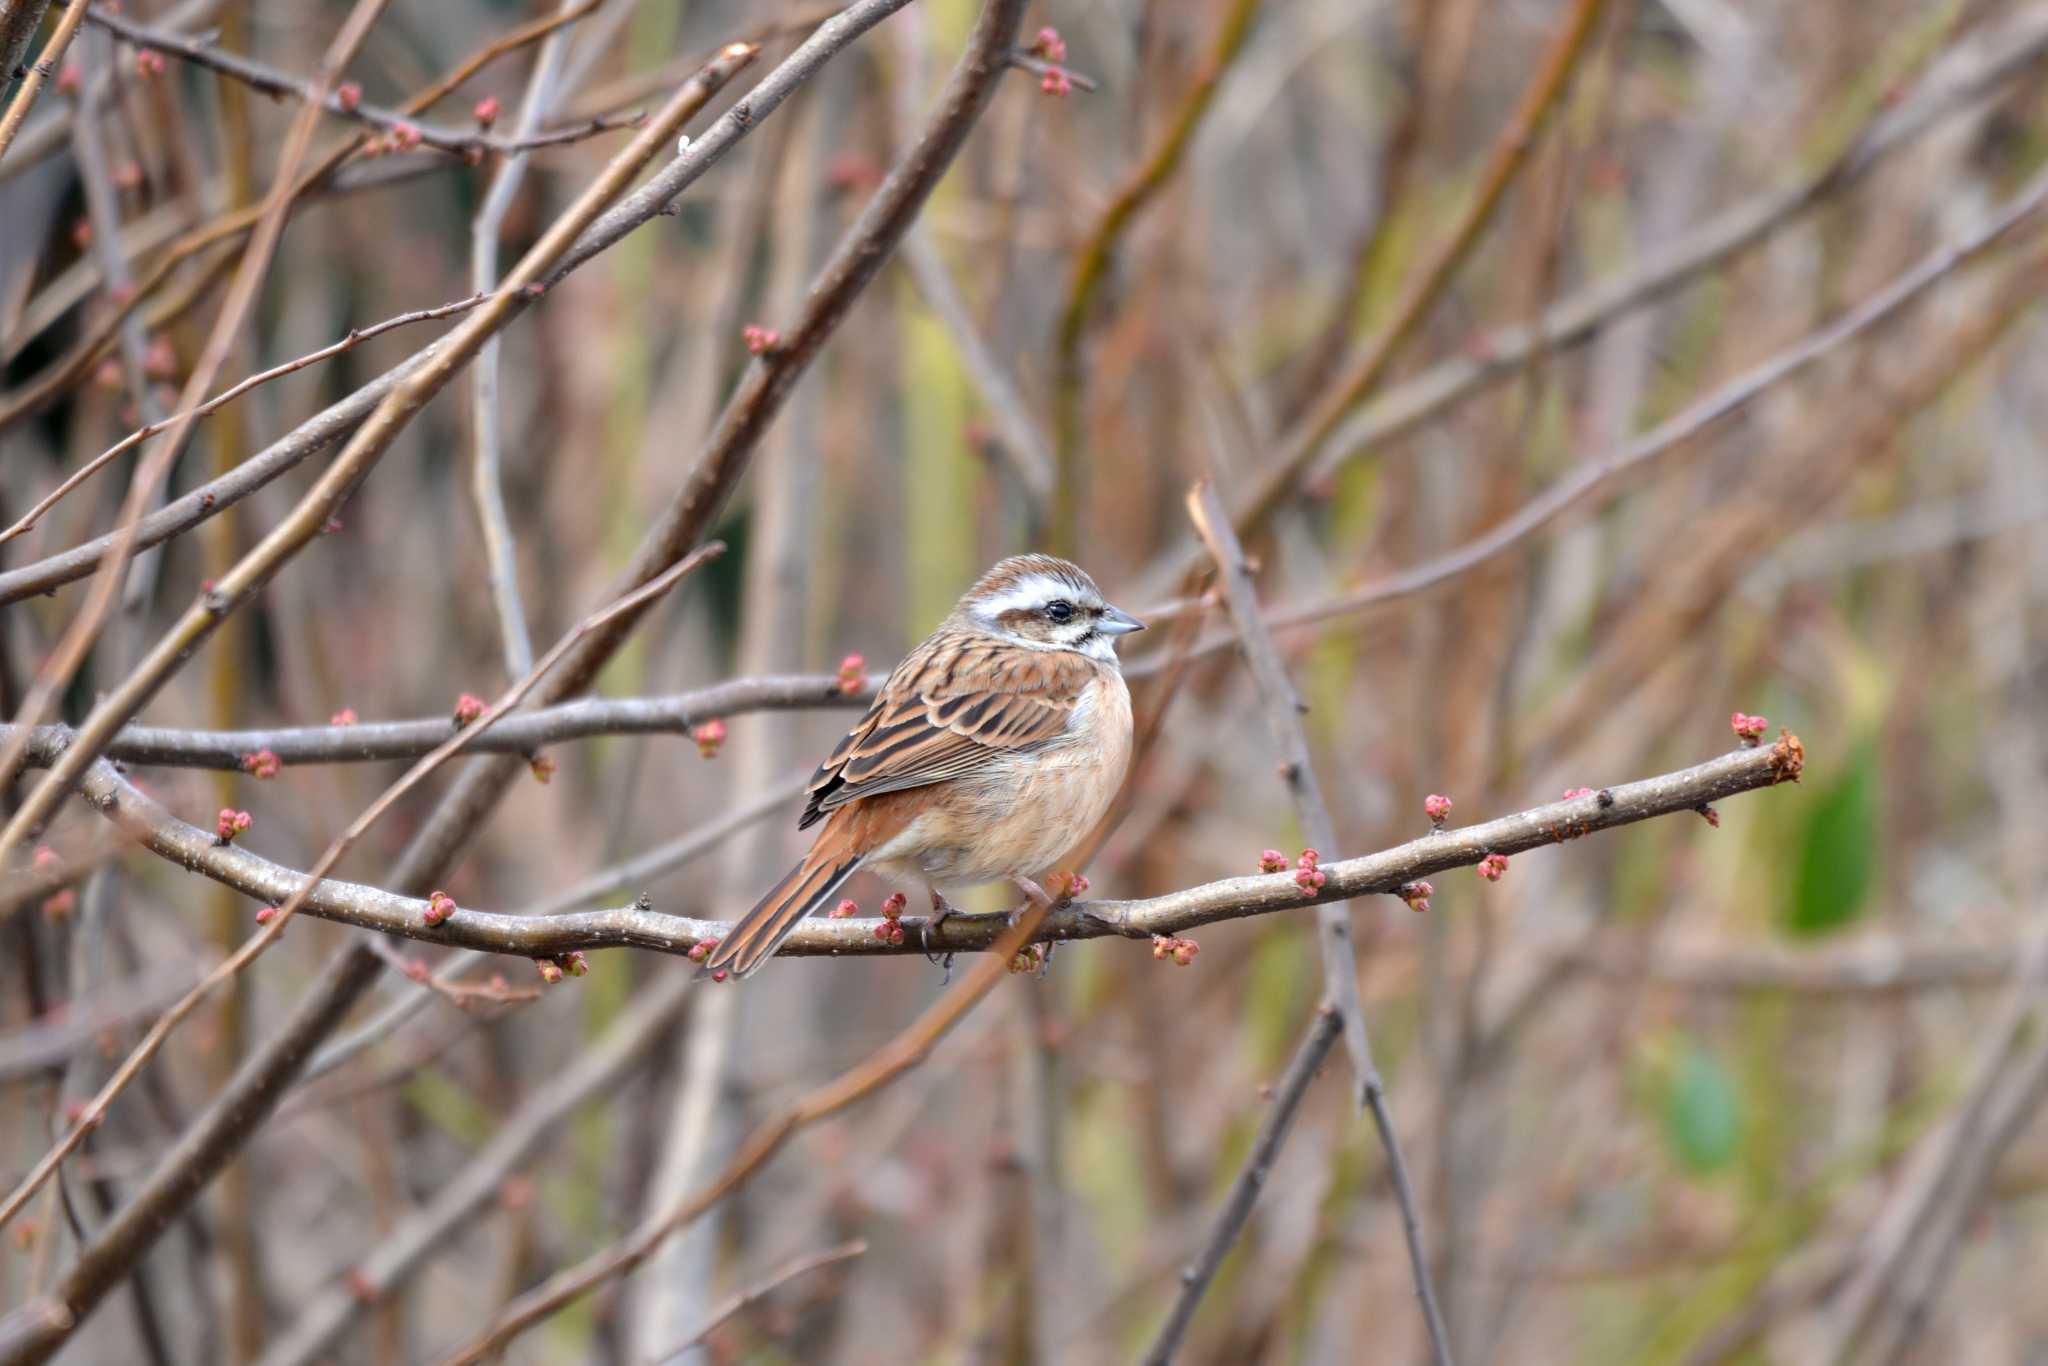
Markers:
point(953, 705)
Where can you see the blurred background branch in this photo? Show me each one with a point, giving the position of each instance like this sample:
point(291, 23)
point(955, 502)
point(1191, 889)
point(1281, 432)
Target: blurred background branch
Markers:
point(1580, 374)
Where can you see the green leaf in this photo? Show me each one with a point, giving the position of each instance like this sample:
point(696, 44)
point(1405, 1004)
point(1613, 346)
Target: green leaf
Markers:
point(1702, 1112)
point(1837, 851)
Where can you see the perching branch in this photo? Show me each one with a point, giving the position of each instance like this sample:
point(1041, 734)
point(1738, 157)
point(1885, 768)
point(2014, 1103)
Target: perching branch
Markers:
point(146, 821)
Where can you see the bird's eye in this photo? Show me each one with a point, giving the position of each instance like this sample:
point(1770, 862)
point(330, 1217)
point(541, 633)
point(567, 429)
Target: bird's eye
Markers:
point(1059, 611)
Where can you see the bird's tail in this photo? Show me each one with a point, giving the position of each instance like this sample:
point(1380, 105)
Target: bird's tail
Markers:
point(802, 890)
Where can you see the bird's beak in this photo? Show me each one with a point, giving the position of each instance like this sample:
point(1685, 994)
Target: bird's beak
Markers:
point(1115, 622)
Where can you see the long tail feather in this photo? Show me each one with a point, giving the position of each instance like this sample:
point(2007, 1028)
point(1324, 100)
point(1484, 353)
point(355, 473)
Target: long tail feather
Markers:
point(803, 890)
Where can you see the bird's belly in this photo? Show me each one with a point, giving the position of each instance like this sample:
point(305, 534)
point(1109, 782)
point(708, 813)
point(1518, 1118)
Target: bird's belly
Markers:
point(1019, 817)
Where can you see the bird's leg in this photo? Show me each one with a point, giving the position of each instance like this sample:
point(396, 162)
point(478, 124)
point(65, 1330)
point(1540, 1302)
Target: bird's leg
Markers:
point(942, 911)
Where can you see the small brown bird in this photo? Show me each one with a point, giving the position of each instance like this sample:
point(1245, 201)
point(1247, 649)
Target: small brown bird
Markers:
point(992, 750)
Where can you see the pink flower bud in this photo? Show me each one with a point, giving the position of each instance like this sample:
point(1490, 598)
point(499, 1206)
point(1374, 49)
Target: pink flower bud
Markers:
point(262, 763)
point(701, 950)
point(853, 674)
point(845, 910)
point(550, 971)
point(1272, 861)
point(1574, 793)
point(440, 908)
point(709, 736)
point(1436, 806)
point(1056, 83)
point(149, 62)
point(347, 96)
point(229, 824)
point(1417, 895)
point(1050, 45)
point(69, 77)
point(1493, 866)
point(345, 717)
point(543, 768)
point(468, 707)
point(486, 111)
point(576, 964)
point(1749, 729)
point(893, 904)
point(760, 340)
point(266, 915)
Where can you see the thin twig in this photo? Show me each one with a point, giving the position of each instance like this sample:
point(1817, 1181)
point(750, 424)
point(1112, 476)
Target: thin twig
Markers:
point(356, 336)
point(762, 1289)
point(270, 81)
point(486, 481)
point(1038, 66)
point(1340, 963)
point(1250, 1180)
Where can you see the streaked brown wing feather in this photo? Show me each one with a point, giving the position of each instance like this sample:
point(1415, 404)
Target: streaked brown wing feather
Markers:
point(951, 706)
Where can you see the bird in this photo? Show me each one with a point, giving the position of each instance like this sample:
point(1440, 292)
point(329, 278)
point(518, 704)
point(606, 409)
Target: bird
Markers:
point(991, 751)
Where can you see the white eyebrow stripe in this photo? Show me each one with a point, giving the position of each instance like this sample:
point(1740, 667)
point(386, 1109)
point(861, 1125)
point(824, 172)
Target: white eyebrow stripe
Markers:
point(1033, 590)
